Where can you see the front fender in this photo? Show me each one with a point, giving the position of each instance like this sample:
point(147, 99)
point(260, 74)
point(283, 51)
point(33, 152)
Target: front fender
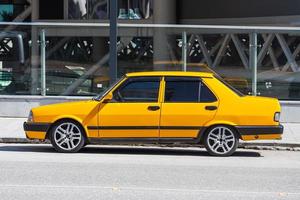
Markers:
point(75, 118)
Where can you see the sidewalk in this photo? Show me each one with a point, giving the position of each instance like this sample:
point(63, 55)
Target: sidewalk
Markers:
point(12, 132)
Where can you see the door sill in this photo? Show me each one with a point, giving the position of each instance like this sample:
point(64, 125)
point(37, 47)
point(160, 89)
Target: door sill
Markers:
point(143, 140)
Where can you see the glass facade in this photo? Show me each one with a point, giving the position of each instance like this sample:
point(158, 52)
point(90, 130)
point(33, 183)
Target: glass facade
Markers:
point(15, 61)
point(277, 76)
point(76, 66)
point(76, 59)
point(163, 49)
point(77, 56)
point(10, 9)
point(87, 9)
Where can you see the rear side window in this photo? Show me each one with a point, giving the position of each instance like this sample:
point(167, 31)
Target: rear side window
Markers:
point(187, 90)
point(206, 94)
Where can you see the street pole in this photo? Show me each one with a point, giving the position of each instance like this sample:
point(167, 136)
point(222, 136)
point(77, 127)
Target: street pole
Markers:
point(43, 62)
point(253, 61)
point(184, 51)
point(113, 34)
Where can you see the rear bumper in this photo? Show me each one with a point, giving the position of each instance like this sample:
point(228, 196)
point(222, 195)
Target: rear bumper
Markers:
point(260, 132)
point(257, 130)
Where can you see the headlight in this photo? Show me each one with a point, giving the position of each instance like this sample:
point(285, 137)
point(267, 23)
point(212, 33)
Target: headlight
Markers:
point(277, 116)
point(30, 117)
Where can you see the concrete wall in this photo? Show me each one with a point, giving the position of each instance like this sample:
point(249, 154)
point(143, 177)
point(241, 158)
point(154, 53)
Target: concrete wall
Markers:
point(19, 106)
point(290, 111)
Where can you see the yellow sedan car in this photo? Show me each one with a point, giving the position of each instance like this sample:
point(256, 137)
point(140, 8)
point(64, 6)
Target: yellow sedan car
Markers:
point(160, 108)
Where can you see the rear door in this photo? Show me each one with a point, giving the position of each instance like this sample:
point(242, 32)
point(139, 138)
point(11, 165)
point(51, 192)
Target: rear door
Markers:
point(188, 105)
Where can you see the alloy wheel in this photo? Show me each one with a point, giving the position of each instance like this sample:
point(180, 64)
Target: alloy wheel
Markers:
point(221, 140)
point(67, 136)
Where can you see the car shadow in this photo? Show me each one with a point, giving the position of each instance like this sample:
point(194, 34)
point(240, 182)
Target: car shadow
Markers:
point(129, 150)
point(170, 151)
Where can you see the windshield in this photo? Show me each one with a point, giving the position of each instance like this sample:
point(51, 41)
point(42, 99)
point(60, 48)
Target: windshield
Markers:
point(105, 92)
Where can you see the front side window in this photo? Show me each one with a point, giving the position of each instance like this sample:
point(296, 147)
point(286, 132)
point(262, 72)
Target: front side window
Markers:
point(187, 90)
point(138, 90)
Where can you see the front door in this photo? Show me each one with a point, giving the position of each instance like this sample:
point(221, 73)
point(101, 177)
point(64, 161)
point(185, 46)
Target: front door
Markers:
point(188, 105)
point(134, 111)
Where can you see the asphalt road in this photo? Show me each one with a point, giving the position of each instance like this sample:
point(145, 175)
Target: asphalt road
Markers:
point(105, 172)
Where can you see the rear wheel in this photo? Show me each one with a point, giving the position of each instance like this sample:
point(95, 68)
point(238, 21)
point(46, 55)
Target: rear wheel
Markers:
point(67, 137)
point(221, 141)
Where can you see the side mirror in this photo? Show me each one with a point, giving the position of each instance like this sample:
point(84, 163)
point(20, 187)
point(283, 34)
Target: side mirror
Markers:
point(108, 98)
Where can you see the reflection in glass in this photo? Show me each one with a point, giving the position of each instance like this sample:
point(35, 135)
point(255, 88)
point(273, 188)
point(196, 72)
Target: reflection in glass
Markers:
point(14, 63)
point(99, 9)
point(6, 11)
point(135, 9)
point(88, 9)
point(77, 9)
point(76, 67)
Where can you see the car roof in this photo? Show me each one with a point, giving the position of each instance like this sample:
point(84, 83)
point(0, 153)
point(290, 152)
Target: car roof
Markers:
point(171, 73)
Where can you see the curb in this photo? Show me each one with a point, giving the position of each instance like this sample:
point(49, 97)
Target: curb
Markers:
point(22, 141)
point(243, 145)
point(270, 146)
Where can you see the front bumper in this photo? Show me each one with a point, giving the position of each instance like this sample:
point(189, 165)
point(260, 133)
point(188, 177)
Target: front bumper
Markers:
point(36, 130)
point(33, 126)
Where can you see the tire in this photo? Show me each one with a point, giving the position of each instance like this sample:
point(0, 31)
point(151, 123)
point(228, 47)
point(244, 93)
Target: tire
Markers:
point(67, 136)
point(221, 141)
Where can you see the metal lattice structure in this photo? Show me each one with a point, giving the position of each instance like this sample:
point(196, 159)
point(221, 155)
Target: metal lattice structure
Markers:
point(279, 50)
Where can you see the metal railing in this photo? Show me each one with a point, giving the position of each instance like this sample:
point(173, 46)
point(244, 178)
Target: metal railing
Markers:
point(190, 33)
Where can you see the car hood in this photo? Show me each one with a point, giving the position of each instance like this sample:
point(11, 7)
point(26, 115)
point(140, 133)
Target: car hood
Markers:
point(75, 110)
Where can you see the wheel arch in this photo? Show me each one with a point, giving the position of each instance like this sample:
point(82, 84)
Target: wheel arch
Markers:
point(67, 118)
point(205, 129)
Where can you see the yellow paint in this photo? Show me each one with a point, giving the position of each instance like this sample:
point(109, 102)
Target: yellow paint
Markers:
point(179, 133)
point(36, 135)
point(262, 137)
point(171, 73)
point(129, 114)
point(136, 133)
point(92, 133)
point(232, 110)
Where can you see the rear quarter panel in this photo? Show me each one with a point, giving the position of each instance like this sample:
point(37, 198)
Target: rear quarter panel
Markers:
point(238, 110)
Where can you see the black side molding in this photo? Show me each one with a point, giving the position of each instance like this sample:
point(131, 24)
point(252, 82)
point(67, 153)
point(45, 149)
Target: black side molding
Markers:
point(260, 130)
point(40, 127)
point(145, 127)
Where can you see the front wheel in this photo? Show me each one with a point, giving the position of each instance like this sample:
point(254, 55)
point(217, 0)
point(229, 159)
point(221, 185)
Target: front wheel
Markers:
point(67, 137)
point(221, 141)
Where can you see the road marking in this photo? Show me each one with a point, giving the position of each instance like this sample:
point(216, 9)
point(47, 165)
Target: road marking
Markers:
point(114, 188)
